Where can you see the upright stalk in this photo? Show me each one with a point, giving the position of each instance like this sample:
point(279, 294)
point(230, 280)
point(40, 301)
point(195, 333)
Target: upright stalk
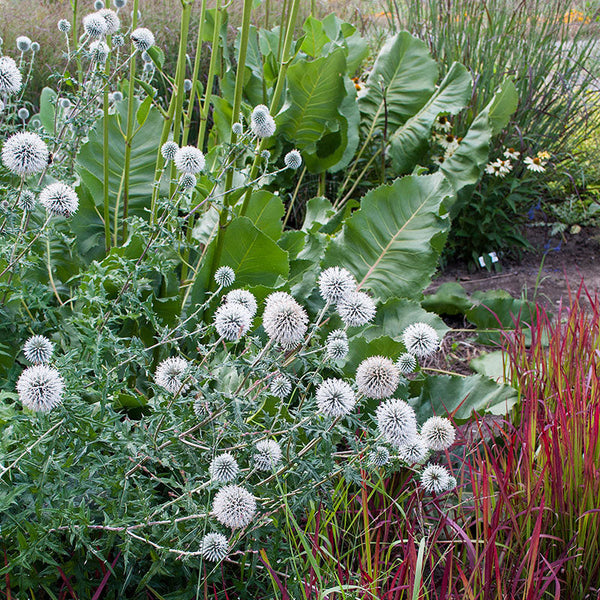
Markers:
point(105, 162)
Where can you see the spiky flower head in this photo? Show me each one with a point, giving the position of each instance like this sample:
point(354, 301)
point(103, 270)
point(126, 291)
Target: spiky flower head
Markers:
point(293, 160)
point(397, 422)
point(223, 468)
point(189, 160)
point(225, 276)
point(38, 349)
point(40, 388)
point(35, 47)
point(337, 349)
point(267, 455)
point(337, 334)
point(407, 363)
point(169, 150)
point(261, 122)
point(435, 478)
point(413, 452)
point(25, 153)
point(452, 483)
point(118, 40)
point(335, 398)
point(23, 43)
point(377, 377)
point(214, 547)
point(99, 51)
point(187, 181)
point(265, 155)
point(336, 283)
point(64, 26)
point(420, 339)
point(169, 375)
point(380, 456)
point(284, 320)
point(10, 76)
point(232, 321)
point(438, 433)
point(356, 309)
point(27, 200)
point(113, 23)
point(142, 39)
point(281, 387)
point(23, 114)
point(59, 199)
point(244, 298)
point(237, 128)
point(234, 506)
point(95, 25)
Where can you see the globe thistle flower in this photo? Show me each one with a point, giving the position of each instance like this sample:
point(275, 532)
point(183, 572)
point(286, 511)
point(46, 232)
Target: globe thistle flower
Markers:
point(35, 47)
point(335, 398)
point(169, 375)
point(98, 4)
point(335, 283)
point(407, 363)
point(40, 388)
point(420, 339)
point(119, 3)
point(169, 150)
point(244, 298)
point(26, 201)
point(148, 67)
point(214, 547)
point(59, 199)
point(232, 321)
point(23, 114)
point(267, 455)
point(225, 276)
point(293, 160)
point(223, 468)
point(413, 452)
point(187, 85)
point(356, 309)
point(64, 26)
point(99, 51)
point(189, 160)
point(397, 422)
point(337, 334)
point(118, 40)
point(337, 349)
point(435, 478)
point(377, 377)
point(261, 122)
point(113, 23)
point(38, 349)
point(142, 39)
point(379, 457)
point(187, 181)
point(452, 483)
point(284, 320)
point(95, 25)
point(237, 128)
point(23, 43)
point(281, 387)
point(438, 433)
point(234, 506)
point(25, 153)
point(10, 76)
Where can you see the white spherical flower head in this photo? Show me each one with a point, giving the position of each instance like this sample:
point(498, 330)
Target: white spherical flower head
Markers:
point(117, 96)
point(335, 398)
point(244, 298)
point(59, 199)
point(99, 51)
point(189, 160)
point(420, 339)
point(119, 3)
point(225, 276)
point(337, 349)
point(64, 26)
point(223, 468)
point(98, 4)
point(293, 160)
point(232, 321)
point(95, 25)
point(407, 363)
point(142, 39)
point(452, 483)
point(25, 153)
point(377, 377)
point(237, 128)
point(187, 85)
point(214, 547)
point(35, 47)
point(336, 283)
point(118, 40)
point(281, 387)
point(397, 422)
point(284, 320)
point(23, 43)
point(435, 478)
point(40, 388)
point(113, 23)
point(169, 150)
point(23, 114)
point(380, 456)
point(234, 506)
point(267, 455)
point(414, 452)
point(169, 375)
point(27, 200)
point(38, 349)
point(356, 309)
point(261, 122)
point(187, 181)
point(65, 103)
point(10, 76)
point(438, 433)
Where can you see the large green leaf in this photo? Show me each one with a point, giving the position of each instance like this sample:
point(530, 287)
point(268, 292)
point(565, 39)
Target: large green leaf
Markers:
point(449, 299)
point(391, 244)
point(410, 141)
point(400, 83)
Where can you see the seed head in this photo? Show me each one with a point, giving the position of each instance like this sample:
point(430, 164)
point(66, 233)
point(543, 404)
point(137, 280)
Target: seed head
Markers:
point(380, 456)
point(40, 388)
point(169, 150)
point(438, 433)
point(142, 39)
point(113, 23)
point(420, 339)
point(25, 153)
point(38, 349)
point(267, 455)
point(23, 43)
point(261, 122)
point(59, 199)
point(187, 181)
point(435, 478)
point(35, 47)
point(356, 309)
point(237, 128)
point(284, 320)
point(64, 26)
point(189, 160)
point(223, 468)
point(336, 283)
point(415, 451)
point(397, 422)
point(244, 298)
point(27, 200)
point(10, 76)
point(95, 25)
point(214, 547)
point(187, 85)
point(169, 375)
point(281, 387)
point(118, 40)
point(234, 506)
point(407, 363)
point(293, 160)
point(337, 348)
point(377, 377)
point(335, 398)
point(23, 114)
point(225, 276)
point(232, 321)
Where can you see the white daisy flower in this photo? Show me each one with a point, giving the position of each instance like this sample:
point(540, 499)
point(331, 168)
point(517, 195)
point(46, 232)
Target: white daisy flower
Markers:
point(234, 506)
point(511, 154)
point(534, 164)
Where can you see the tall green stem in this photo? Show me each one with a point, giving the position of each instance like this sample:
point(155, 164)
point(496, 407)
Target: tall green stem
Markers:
point(74, 41)
point(105, 163)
